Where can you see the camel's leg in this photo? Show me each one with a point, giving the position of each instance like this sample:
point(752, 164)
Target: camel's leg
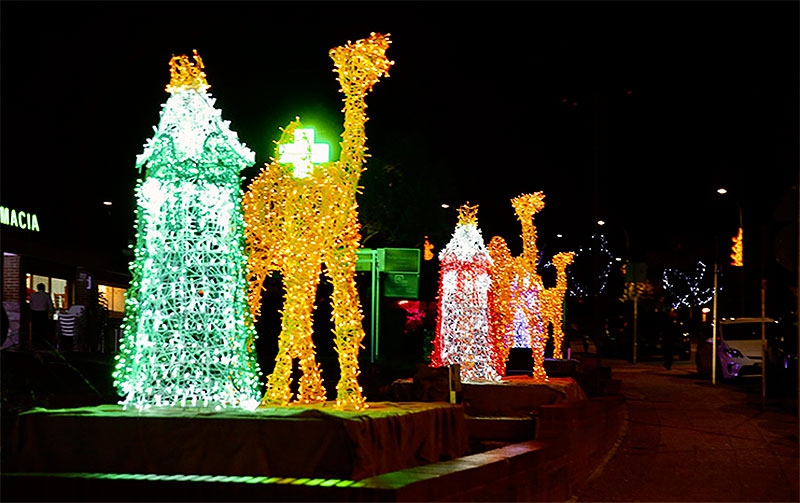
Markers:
point(295, 341)
point(558, 341)
point(348, 328)
point(299, 317)
point(278, 392)
point(538, 342)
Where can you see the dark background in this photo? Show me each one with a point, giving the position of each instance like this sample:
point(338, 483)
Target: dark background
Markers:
point(634, 112)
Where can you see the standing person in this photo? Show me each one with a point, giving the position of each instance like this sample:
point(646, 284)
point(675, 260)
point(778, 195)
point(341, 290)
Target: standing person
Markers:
point(669, 337)
point(41, 309)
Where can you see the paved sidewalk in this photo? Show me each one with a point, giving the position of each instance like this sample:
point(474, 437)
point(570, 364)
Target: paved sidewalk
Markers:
point(688, 440)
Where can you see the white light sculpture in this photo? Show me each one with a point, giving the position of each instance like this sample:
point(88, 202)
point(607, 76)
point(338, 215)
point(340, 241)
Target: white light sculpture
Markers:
point(188, 334)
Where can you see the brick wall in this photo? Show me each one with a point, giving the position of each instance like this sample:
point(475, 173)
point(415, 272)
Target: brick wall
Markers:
point(12, 288)
point(12, 265)
point(579, 436)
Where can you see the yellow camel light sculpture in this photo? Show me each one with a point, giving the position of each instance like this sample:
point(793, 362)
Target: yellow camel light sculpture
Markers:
point(552, 302)
point(512, 276)
point(526, 206)
point(300, 216)
point(502, 299)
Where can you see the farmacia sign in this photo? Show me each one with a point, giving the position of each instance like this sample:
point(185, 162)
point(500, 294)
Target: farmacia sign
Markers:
point(19, 218)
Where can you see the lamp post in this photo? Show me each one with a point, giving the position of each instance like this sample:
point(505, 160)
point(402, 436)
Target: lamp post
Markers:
point(738, 247)
point(737, 261)
point(626, 258)
point(714, 329)
point(627, 263)
point(737, 252)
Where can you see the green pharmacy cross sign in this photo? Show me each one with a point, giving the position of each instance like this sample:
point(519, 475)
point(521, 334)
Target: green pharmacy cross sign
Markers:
point(304, 153)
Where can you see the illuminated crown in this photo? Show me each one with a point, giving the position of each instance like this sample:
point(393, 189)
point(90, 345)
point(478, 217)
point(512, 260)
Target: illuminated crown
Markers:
point(186, 75)
point(468, 214)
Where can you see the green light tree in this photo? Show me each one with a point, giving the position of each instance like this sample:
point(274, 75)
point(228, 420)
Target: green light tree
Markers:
point(188, 335)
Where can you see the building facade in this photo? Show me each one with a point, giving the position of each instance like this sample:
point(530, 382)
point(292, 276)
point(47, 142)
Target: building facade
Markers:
point(84, 271)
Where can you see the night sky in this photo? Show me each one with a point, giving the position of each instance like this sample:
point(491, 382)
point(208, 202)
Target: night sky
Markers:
point(634, 112)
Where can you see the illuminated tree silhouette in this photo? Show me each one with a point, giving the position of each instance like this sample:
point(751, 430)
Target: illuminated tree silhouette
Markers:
point(188, 333)
point(689, 290)
point(580, 275)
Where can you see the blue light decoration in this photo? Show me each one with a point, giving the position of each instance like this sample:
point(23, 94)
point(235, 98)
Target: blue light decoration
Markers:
point(188, 335)
point(580, 289)
point(689, 290)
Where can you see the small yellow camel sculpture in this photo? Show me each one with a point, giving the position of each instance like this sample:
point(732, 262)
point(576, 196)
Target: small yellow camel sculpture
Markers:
point(299, 217)
point(552, 302)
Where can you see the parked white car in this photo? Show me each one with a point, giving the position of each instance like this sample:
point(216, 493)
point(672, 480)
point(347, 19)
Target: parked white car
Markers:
point(738, 347)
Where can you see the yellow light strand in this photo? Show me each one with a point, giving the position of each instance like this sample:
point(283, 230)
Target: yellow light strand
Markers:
point(736, 254)
point(428, 255)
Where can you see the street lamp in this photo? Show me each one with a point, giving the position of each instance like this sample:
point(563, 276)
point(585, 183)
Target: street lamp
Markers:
point(627, 264)
point(738, 261)
point(738, 248)
point(601, 223)
point(736, 257)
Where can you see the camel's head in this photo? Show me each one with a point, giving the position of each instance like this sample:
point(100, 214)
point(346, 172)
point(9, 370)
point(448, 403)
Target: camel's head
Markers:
point(563, 259)
point(361, 64)
point(528, 205)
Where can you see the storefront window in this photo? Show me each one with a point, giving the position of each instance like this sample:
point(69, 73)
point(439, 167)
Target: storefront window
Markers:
point(115, 297)
point(56, 287)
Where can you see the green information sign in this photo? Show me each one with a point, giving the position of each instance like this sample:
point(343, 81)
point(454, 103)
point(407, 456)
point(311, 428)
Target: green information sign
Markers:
point(364, 259)
point(398, 260)
point(399, 270)
point(404, 285)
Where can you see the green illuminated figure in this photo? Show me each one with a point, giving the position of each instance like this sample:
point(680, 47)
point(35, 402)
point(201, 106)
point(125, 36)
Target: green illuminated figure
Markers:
point(188, 335)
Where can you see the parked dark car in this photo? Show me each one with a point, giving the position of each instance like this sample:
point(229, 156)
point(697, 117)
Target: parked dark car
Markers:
point(617, 340)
